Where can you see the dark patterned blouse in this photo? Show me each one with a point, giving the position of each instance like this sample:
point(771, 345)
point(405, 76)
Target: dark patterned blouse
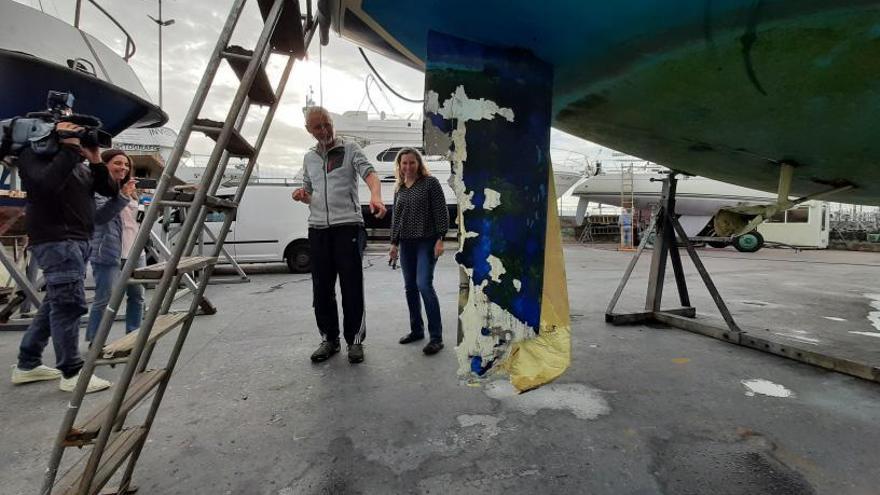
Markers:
point(419, 211)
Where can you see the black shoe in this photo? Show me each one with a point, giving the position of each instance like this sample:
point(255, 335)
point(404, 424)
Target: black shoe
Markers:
point(406, 339)
point(325, 350)
point(433, 347)
point(356, 353)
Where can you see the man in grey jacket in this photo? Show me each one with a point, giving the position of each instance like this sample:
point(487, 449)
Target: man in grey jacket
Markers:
point(330, 188)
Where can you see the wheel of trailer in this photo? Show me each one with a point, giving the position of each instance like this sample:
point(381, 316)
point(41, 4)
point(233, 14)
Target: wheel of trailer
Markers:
point(298, 257)
point(749, 243)
point(718, 244)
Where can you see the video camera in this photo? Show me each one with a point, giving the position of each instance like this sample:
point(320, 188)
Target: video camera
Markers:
point(37, 129)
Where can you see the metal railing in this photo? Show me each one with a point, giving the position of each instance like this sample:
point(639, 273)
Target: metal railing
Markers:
point(130, 47)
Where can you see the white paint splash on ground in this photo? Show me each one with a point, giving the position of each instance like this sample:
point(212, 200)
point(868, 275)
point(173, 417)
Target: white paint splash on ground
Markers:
point(517, 284)
point(868, 334)
point(765, 387)
point(874, 316)
point(496, 268)
point(834, 318)
point(493, 199)
point(582, 401)
point(799, 338)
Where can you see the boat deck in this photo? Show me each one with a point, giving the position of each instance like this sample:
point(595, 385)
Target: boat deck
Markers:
point(642, 409)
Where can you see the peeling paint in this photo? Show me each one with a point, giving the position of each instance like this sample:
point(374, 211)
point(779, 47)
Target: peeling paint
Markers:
point(517, 284)
point(493, 199)
point(497, 268)
point(480, 318)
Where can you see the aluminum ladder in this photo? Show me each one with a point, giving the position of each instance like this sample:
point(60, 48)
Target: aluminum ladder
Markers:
point(103, 427)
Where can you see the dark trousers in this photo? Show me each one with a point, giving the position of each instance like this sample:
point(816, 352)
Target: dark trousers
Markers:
point(417, 262)
point(338, 251)
point(64, 267)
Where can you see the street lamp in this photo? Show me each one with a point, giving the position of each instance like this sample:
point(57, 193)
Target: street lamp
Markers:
point(161, 23)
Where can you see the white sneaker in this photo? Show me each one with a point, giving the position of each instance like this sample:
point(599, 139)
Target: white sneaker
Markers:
point(96, 384)
point(38, 374)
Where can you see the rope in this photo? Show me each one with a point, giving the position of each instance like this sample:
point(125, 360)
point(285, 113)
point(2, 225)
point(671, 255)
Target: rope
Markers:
point(376, 73)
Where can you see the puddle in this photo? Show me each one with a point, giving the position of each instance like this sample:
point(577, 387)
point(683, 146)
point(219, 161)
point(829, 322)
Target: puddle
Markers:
point(582, 401)
point(765, 387)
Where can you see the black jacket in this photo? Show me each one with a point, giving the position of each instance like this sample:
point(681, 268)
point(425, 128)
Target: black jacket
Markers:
point(60, 194)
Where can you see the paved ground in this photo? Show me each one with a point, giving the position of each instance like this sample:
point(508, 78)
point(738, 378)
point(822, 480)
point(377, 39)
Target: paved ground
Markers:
point(642, 410)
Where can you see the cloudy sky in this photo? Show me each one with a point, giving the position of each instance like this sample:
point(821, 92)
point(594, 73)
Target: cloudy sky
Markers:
point(335, 73)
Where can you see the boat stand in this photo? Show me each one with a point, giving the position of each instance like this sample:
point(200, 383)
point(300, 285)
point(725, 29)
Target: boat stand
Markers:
point(668, 234)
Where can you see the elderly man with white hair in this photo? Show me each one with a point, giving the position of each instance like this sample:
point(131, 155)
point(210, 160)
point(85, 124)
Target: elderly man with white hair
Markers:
point(336, 236)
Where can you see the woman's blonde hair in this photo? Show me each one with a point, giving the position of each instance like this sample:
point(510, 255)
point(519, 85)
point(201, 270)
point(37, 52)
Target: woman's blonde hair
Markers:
point(423, 170)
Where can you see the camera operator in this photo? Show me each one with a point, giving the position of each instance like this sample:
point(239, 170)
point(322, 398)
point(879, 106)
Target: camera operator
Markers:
point(59, 219)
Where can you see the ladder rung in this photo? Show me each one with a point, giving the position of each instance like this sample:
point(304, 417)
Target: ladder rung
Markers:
point(185, 199)
point(239, 58)
point(118, 448)
point(237, 145)
point(289, 36)
point(141, 385)
point(122, 347)
point(188, 264)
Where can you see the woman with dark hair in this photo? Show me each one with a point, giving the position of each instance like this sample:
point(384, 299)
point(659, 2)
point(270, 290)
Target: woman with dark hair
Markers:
point(115, 229)
point(420, 221)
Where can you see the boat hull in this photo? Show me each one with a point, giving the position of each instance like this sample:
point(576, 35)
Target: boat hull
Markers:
point(725, 89)
point(36, 52)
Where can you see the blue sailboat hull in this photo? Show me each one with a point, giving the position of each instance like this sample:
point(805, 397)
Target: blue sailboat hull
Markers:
point(726, 89)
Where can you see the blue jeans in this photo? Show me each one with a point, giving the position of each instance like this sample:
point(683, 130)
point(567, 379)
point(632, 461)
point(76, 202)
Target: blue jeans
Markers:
point(105, 276)
point(64, 268)
point(417, 263)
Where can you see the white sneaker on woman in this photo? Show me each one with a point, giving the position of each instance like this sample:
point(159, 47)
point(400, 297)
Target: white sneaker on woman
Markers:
point(38, 374)
point(96, 384)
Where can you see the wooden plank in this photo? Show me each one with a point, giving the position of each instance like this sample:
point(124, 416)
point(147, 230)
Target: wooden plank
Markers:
point(141, 385)
point(118, 449)
point(261, 92)
point(289, 36)
point(123, 347)
point(237, 145)
point(186, 265)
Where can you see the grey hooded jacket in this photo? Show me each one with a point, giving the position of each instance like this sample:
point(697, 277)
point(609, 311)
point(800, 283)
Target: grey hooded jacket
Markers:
point(332, 180)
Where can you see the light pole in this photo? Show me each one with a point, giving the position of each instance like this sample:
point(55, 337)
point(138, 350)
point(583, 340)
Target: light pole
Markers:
point(161, 23)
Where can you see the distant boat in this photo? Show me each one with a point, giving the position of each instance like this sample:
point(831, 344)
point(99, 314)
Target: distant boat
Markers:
point(39, 53)
point(697, 201)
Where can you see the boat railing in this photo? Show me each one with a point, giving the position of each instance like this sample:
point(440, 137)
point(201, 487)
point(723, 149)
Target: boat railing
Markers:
point(130, 47)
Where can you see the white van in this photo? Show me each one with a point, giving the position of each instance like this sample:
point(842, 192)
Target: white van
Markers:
point(269, 226)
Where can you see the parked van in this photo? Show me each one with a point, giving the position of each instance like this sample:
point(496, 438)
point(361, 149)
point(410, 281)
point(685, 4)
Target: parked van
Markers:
point(268, 226)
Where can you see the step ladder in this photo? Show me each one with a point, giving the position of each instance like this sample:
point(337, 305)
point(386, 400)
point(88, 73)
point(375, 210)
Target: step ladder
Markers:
point(627, 206)
point(102, 428)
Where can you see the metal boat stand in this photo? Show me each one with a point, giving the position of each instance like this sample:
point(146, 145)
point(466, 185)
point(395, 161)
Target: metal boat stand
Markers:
point(668, 235)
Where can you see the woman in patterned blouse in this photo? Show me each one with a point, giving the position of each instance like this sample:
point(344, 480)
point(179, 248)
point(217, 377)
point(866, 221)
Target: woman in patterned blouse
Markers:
point(419, 222)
